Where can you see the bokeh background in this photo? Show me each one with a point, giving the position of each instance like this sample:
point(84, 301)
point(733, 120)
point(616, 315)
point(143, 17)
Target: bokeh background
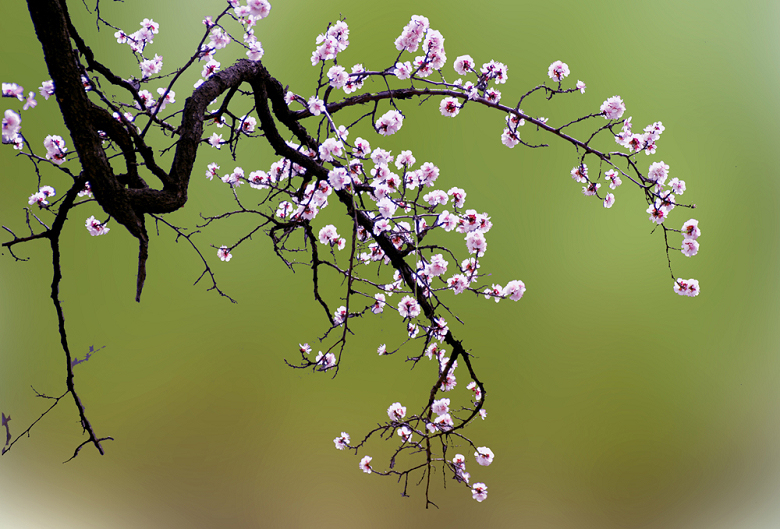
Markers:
point(614, 403)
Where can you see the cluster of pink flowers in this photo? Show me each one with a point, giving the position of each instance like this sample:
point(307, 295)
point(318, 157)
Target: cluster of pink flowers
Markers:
point(335, 40)
point(151, 66)
point(392, 197)
point(687, 287)
point(138, 40)
point(413, 32)
point(639, 142)
point(40, 198)
point(328, 235)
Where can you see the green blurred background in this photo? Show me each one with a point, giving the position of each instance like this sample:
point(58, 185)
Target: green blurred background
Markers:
point(613, 402)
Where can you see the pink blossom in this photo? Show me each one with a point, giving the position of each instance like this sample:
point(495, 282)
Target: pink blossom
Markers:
point(382, 350)
point(494, 70)
point(170, 97)
point(441, 406)
point(342, 442)
point(150, 25)
point(581, 87)
point(463, 64)
point(355, 81)
point(248, 124)
point(449, 107)
point(436, 197)
point(658, 213)
point(439, 329)
point(38, 199)
point(444, 422)
point(365, 464)
point(613, 108)
point(510, 138)
point(678, 186)
point(218, 39)
point(338, 76)
point(590, 189)
point(609, 200)
point(259, 180)
point(614, 179)
point(210, 68)
point(328, 235)
point(330, 149)
point(396, 412)
point(689, 247)
point(494, 292)
point(405, 160)
point(428, 174)
point(479, 492)
point(403, 70)
point(30, 102)
point(235, 179)
point(389, 123)
point(492, 95)
point(476, 243)
point(55, 149)
point(381, 157)
point(146, 99)
point(316, 106)
point(437, 266)
point(409, 308)
point(87, 191)
point(284, 209)
point(447, 220)
point(473, 386)
point(458, 283)
point(151, 66)
point(224, 253)
point(386, 207)
point(215, 140)
point(514, 290)
point(47, 89)
point(95, 227)
point(658, 172)
point(580, 173)
point(326, 361)
point(258, 8)
point(484, 456)
point(379, 303)
point(13, 90)
point(691, 229)
point(12, 123)
point(405, 433)
point(412, 34)
point(483, 414)
point(687, 287)
point(433, 350)
point(340, 315)
point(558, 71)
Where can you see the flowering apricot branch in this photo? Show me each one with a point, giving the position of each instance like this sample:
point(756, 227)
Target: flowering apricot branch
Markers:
point(394, 213)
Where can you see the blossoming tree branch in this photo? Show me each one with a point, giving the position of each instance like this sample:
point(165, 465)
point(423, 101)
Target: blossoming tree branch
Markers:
point(408, 242)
